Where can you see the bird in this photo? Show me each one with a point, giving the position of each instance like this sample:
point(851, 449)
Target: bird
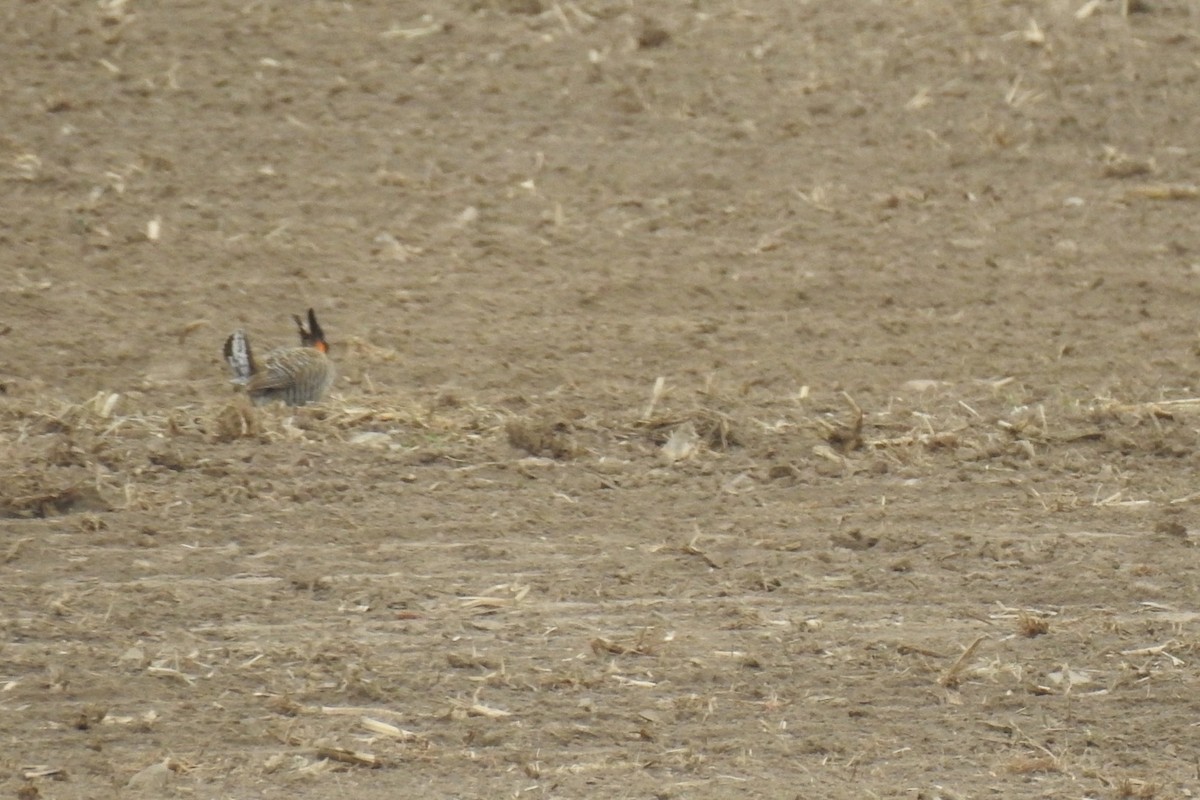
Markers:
point(296, 376)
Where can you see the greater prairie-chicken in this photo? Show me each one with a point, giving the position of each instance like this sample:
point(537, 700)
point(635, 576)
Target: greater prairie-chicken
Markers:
point(295, 376)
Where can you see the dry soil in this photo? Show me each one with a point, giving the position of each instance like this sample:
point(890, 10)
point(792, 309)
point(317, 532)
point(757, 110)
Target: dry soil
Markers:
point(737, 399)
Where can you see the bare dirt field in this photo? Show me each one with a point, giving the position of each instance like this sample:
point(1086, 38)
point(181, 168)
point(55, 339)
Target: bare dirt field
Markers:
point(737, 399)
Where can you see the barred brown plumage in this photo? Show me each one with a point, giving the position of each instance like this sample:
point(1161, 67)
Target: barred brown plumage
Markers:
point(295, 376)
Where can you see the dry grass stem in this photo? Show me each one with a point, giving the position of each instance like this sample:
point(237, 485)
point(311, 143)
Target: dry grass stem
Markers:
point(355, 758)
point(952, 676)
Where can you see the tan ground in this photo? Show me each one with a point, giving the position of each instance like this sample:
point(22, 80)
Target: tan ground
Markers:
point(975, 221)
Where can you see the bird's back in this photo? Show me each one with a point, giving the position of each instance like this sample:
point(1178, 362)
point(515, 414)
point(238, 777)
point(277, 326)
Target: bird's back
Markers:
point(296, 376)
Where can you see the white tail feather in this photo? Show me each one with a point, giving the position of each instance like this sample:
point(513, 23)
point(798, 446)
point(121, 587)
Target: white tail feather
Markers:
point(239, 357)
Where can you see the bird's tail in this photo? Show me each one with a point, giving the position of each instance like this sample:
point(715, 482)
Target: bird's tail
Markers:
point(239, 357)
